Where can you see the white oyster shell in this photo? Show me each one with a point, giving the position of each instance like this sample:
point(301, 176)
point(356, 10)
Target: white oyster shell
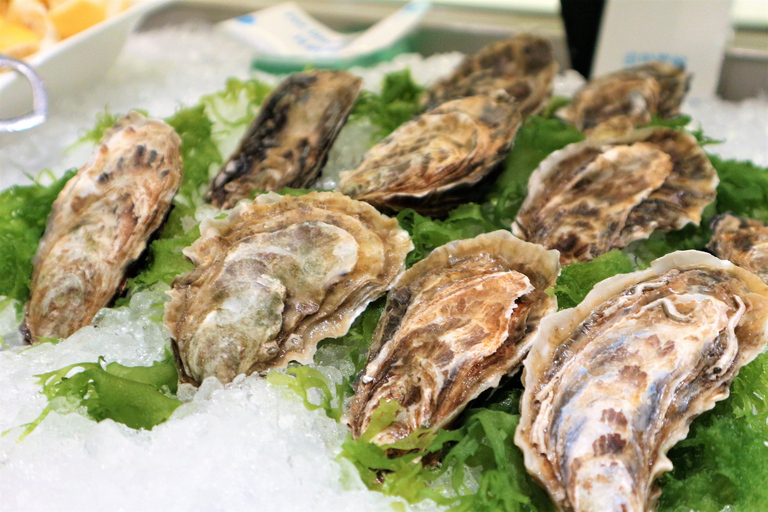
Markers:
point(597, 195)
point(612, 384)
point(433, 162)
point(100, 223)
point(454, 324)
point(275, 277)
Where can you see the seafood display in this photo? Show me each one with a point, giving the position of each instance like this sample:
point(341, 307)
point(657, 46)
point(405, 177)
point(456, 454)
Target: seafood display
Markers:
point(613, 384)
point(288, 142)
point(743, 242)
point(594, 196)
point(454, 324)
point(523, 66)
point(275, 277)
point(435, 161)
point(101, 223)
point(634, 95)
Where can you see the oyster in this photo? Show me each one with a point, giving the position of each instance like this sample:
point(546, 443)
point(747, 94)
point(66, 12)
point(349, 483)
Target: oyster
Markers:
point(431, 163)
point(613, 384)
point(277, 276)
point(453, 325)
point(288, 142)
point(635, 94)
point(594, 196)
point(100, 223)
point(741, 241)
point(524, 66)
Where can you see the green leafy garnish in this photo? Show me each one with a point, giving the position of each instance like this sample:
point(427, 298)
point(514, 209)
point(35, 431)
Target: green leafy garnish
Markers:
point(743, 188)
point(483, 445)
point(576, 280)
point(24, 210)
point(137, 396)
point(466, 221)
point(397, 103)
point(302, 379)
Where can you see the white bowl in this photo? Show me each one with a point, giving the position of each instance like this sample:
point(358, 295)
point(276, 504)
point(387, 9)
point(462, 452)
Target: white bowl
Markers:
point(74, 63)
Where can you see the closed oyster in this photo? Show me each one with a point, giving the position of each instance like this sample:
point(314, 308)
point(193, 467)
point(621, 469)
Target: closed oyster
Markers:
point(288, 142)
point(277, 276)
point(453, 325)
point(431, 163)
point(741, 241)
point(524, 66)
point(613, 384)
point(635, 94)
point(100, 223)
point(594, 196)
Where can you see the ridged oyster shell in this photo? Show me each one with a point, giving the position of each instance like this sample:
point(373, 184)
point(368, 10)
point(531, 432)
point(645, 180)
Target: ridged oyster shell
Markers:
point(434, 161)
point(635, 94)
point(594, 196)
point(741, 241)
point(613, 384)
point(275, 277)
point(523, 66)
point(453, 325)
point(288, 142)
point(100, 223)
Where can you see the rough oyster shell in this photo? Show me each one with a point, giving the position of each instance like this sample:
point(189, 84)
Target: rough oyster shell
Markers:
point(524, 66)
point(594, 196)
point(288, 142)
point(741, 241)
point(277, 276)
point(453, 325)
point(432, 162)
point(613, 384)
point(635, 94)
point(100, 223)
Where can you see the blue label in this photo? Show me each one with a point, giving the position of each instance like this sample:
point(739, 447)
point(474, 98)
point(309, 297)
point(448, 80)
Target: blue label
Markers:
point(634, 58)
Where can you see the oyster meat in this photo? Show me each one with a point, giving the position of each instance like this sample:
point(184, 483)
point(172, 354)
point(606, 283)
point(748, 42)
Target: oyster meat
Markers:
point(288, 142)
point(594, 196)
point(524, 66)
point(612, 384)
point(634, 94)
point(100, 223)
point(275, 277)
point(741, 241)
point(433, 162)
point(453, 325)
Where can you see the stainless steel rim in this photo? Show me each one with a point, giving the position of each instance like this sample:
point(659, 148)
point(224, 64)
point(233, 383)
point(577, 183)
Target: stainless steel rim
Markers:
point(39, 98)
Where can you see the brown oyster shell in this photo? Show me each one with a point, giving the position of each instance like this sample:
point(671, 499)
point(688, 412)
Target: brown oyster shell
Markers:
point(741, 241)
point(612, 384)
point(635, 94)
point(100, 224)
point(453, 325)
point(433, 162)
point(275, 277)
point(523, 66)
point(288, 142)
point(594, 196)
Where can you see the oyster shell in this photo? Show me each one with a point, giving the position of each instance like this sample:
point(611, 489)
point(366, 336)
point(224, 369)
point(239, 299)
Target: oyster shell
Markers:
point(594, 196)
point(453, 325)
point(524, 66)
point(288, 142)
point(100, 223)
point(432, 162)
point(635, 94)
point(277, 276)
point(741, 241)
point(613, 384)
